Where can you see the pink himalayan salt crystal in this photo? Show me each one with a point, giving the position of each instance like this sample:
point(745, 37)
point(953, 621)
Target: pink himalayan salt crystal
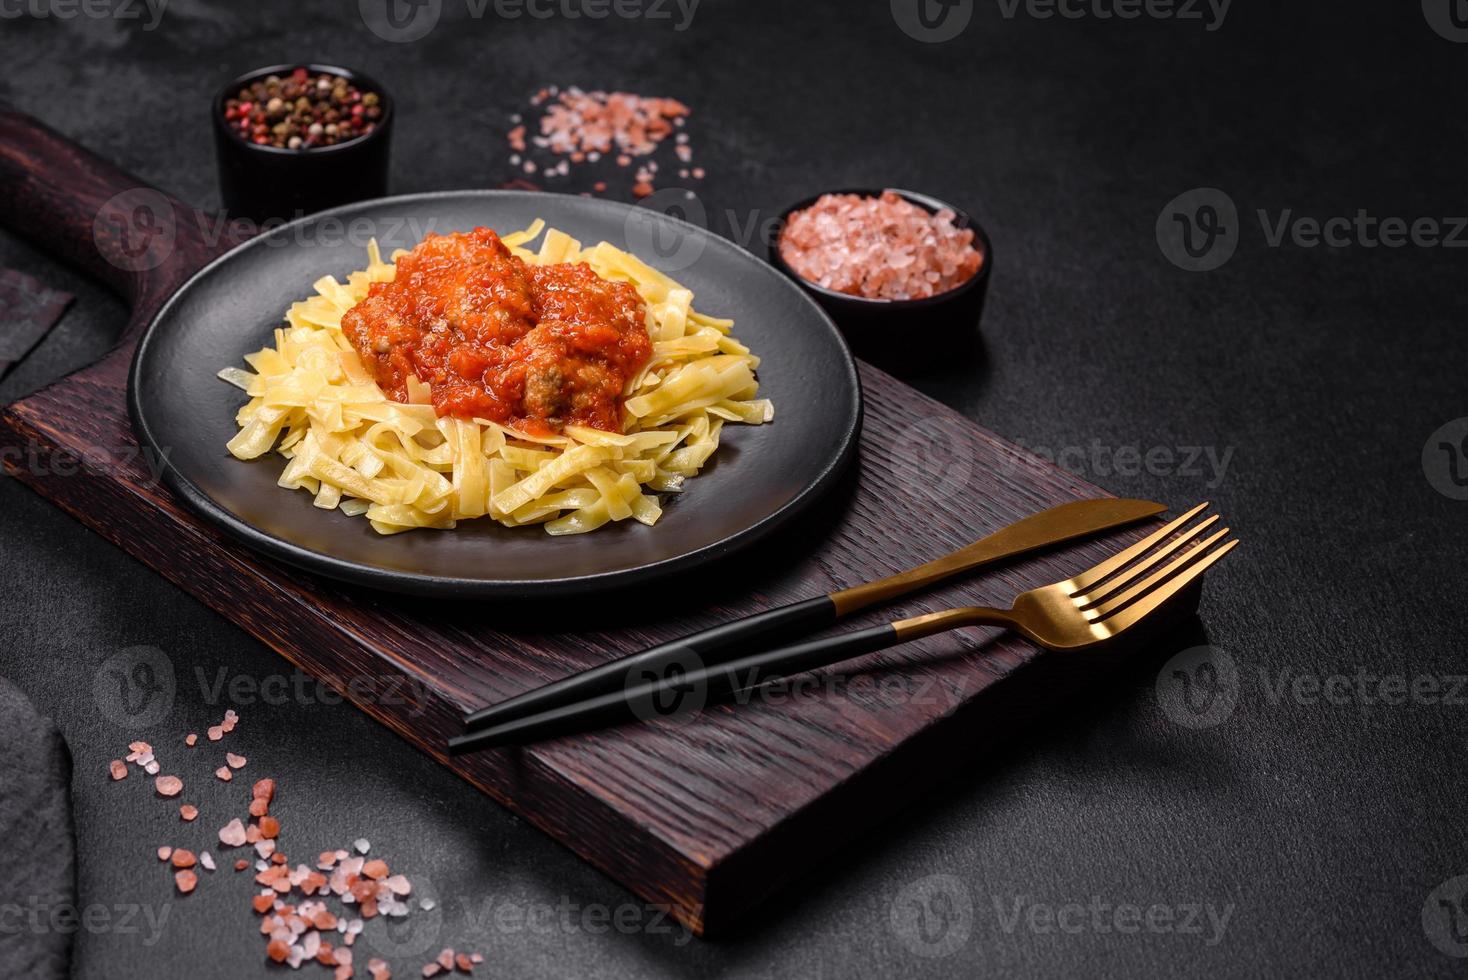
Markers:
point(584, 122)
point(579, 126)
point(232, 834)
point(884, 248)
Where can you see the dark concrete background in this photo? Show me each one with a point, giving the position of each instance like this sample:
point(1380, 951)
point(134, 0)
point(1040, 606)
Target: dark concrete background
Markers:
point(1321, 828)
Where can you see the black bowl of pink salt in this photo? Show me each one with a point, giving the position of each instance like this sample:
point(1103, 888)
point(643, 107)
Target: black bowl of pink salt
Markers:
point(294, 139)
point(902, 274)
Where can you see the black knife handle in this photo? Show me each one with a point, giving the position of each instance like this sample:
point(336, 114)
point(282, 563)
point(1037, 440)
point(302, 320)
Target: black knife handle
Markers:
point(679, 692)
point(707, 648)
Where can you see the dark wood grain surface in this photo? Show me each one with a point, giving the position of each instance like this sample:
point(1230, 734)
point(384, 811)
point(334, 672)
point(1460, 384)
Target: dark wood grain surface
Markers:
point(707, 813)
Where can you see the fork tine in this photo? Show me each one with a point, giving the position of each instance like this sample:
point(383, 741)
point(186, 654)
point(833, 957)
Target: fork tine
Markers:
point(1117, 601)
point(1091, 576)
point(1134, 613)
point(1111, 586)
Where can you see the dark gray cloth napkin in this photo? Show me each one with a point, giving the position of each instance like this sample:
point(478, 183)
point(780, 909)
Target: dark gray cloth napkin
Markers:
point(27, 310)
point(37, 843)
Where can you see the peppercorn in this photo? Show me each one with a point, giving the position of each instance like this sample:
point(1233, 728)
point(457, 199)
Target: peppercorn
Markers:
point(301, 111)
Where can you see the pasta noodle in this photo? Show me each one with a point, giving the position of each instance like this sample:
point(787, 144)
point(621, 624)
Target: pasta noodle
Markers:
point(402, 466)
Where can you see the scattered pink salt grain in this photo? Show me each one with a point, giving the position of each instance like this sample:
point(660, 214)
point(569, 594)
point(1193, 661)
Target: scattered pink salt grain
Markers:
point(186, 880)
point(216, 732)
point(118, 768)
point(235, 761)
point(577, 126)
point(188, 811)
point(168, 785)
point(884, 247)
point(232, 834)
point(165, 852)
point(223, 773)
point(207, 860)
point(191, 739)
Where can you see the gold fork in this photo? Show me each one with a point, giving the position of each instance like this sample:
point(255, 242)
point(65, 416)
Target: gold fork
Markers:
point(1099, 603)
point(1079, 612)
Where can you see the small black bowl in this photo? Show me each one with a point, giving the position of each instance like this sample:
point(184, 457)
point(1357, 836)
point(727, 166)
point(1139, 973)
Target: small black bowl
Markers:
point(903, 333)
point(266, 183)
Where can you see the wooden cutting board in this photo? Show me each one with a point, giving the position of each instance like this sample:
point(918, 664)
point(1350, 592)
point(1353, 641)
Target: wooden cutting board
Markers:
point(708, 813)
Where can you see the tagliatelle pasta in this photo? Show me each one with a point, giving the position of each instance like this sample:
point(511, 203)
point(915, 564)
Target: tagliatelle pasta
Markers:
point(403, 466)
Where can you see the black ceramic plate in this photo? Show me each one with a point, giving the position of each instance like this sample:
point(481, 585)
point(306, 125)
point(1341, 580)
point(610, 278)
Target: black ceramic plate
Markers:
point(760, 478)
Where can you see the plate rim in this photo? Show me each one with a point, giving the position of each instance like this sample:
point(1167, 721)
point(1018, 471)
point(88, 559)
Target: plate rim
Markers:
point(449, 587)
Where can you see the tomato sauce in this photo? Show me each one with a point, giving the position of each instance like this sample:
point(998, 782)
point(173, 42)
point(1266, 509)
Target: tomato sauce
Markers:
point(534, 347)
